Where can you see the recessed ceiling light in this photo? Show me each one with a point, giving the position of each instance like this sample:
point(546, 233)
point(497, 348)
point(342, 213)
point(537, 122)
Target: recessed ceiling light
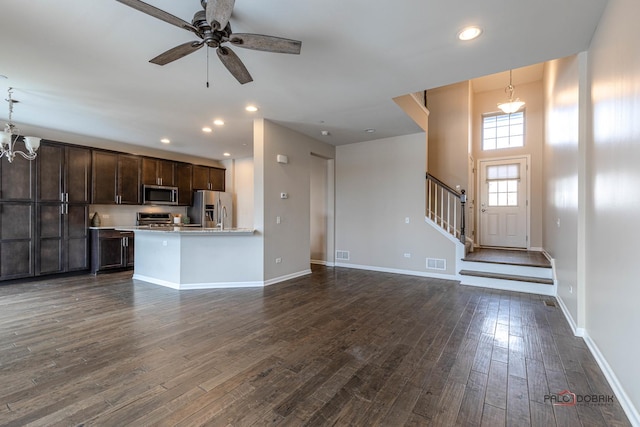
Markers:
point(226, 154)
point(165, 140)
point(469, 33)
point(325, 133)
point(218, 122)
point(251, 108)
point(206, 129)
point(370, 130)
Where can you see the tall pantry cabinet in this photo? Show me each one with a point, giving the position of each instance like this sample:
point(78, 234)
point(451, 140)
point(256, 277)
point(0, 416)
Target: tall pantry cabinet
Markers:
point(17, 215)
point(62, 208)
point(44, 210)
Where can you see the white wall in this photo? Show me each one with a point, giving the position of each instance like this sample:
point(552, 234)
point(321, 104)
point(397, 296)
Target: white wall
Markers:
point(239, 182)
point(449, 133)
point(613, 270)
point(561, 170)
point(379, 184)
point(319, 208)
point(289, 240)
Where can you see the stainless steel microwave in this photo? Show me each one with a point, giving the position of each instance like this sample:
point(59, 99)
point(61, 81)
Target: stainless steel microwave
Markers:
point(159, 195)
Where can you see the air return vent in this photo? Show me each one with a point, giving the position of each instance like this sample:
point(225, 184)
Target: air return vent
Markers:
point(342, 255)
point(436, 264)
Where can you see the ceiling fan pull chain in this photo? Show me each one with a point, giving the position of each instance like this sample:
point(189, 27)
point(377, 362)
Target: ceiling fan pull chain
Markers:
point(207, 68)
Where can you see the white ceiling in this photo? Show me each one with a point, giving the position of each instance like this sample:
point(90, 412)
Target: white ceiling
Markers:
point(82, 66)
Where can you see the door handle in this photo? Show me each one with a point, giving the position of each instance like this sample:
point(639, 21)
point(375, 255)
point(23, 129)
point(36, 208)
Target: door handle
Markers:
point(483, 210)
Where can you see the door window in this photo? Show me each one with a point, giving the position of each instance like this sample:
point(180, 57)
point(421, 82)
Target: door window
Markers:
point(503, 184)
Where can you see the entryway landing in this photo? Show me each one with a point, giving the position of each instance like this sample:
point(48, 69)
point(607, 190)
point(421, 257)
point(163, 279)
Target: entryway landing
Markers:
point(508, 256)
point(507, 269)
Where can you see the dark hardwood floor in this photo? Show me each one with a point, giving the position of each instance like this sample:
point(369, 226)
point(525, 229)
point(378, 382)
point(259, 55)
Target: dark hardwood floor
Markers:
point(341, 346)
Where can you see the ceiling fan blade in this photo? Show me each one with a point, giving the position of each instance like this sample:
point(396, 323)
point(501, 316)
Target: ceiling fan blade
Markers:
point(176, 53)
point(266, 43)
point(219, 12)
point(234, 64)
point(160, 14)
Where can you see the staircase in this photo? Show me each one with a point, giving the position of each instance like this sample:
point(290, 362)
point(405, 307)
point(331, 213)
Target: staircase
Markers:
point(512, 270)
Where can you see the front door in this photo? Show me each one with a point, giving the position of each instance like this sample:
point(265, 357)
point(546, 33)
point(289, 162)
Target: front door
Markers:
point(503, 203)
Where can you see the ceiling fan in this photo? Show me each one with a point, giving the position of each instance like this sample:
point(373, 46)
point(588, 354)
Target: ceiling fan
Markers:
point(211, 25)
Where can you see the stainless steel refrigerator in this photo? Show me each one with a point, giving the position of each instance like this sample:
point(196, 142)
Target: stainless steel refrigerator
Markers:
point(211, 209)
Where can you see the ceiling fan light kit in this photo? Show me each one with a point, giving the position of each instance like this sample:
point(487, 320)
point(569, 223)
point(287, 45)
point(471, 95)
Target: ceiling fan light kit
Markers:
point(211, 25)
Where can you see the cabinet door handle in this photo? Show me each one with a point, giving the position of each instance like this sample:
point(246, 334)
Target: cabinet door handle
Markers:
point(66, 197)
point(66, 209)
point(62, 197)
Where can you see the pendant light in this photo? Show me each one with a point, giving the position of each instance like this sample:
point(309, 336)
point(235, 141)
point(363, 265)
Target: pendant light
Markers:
point(511, 106)
point(10, 135)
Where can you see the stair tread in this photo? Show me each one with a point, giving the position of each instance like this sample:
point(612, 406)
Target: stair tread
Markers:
point(506, 277)
point(520, 264)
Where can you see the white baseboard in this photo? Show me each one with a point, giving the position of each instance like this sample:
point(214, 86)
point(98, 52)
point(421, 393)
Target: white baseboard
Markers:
point(220, 285)
point(579, 332)
point(627, 405)
point(191, 286)
point(318, 262)
point(286, 277)
point(398, 271)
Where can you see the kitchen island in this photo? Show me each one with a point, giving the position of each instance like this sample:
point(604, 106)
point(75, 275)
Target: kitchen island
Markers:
point(197, 258)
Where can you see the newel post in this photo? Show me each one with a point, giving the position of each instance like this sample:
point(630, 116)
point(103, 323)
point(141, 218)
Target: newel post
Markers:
point(463, 200)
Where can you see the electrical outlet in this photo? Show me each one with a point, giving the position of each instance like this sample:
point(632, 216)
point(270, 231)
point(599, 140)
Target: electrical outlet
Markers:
point(278, 260)
point(105, 216)
point(406, 220)
point(278, 220)
point(164, 243)
point(558, 222)
point(407, 255)
point(284, 195)
point(570, 289)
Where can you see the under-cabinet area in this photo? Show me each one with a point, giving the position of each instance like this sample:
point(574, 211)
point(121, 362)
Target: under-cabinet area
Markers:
point(45, 206)
point(111, 250)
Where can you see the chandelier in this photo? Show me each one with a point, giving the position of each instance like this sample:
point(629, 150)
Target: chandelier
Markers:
point(511, 106)
point(11, 134)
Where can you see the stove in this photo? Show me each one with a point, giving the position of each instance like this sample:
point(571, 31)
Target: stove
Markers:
point(155, 219)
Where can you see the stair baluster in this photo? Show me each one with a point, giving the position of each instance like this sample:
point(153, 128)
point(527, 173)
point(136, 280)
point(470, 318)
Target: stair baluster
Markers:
point(444, 210)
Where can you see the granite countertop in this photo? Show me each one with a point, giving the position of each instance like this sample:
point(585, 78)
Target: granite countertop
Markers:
point(188, 230)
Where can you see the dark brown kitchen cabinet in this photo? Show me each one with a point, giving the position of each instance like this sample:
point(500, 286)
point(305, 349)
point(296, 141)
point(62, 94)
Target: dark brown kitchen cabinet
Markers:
point(63, 240)
point(184, 182)
point(208, 178)
point(158, 172)
point(62, 208)
point(17, 181)
point(111, 250)
point(63, 173)
point(16, 240)
point(115, 178)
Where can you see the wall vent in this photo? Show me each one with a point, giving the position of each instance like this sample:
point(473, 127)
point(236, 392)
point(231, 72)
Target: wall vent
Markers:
point(342, 255)
point(436, 264)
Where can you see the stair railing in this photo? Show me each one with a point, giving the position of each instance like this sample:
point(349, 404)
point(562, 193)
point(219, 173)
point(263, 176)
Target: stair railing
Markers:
point(444, 205)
